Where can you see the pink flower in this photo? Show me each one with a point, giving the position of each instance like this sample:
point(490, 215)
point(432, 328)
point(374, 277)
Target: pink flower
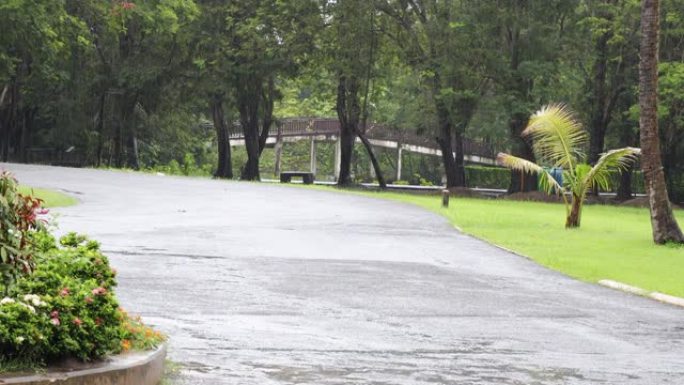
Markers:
point(64, 292)
point(77, 321)
point(54, 318)
point(99, 291)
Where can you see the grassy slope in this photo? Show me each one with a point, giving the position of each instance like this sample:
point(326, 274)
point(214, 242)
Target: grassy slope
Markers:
point(50, 198)
point(613, 242)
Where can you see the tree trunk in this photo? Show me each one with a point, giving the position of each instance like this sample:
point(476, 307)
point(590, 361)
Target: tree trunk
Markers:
point(132, 152)
point(455, 174)
point(100, 130)
point(598, 100)
point(348, 113)
point(347, 139)
point(25, 136)
point(374, 161)
point(521, 181)
point(454, 178)
point(624, 191)
point(249, 120)
point(267, 120)
point(627, 138)
point(118, 133)
point(574, 217)
point(444, 142)
point(459, 158)
point(224, 167)
point(665, 227)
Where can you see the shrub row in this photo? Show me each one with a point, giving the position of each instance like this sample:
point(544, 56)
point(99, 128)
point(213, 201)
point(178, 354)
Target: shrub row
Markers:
point(499, 178)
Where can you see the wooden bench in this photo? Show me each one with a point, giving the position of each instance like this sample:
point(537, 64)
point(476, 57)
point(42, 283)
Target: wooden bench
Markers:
point(286, 176)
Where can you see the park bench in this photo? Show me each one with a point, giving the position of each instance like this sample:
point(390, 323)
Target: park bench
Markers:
point(307, 177)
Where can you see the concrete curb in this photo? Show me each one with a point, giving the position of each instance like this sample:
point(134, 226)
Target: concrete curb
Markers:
point(138, 368)
point(664, 298)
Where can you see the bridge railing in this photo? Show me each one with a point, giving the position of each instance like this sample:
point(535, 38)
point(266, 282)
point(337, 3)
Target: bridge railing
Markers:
point(331, 127)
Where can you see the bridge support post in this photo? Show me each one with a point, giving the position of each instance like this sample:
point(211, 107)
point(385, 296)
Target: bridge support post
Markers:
point(312, 156)
point(399, 153)
point(338, 158)
point(278, 151)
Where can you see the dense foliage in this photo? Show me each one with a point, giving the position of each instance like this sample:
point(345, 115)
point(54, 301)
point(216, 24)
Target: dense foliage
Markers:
point(19, 220)
point(164, 83)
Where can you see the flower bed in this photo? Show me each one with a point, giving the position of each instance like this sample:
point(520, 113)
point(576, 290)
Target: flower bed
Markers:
point(58, 301)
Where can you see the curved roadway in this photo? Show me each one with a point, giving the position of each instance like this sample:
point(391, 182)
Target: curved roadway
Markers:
point(262, 284)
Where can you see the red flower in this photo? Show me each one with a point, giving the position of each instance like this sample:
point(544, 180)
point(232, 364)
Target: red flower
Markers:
point(64, 292)
point(77, 321)
point(54, 314)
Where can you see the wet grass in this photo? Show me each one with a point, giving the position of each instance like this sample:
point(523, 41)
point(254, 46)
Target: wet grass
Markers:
point(21, 366)
point(612, 243)
point(51, 198)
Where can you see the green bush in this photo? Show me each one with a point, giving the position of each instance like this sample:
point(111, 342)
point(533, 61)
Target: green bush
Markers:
point(488, 177)
point(19, 219)
point(637, 181)
point(67, 309)
point(499, 178)
point(72, 311)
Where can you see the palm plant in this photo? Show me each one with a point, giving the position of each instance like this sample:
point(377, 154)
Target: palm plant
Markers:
point(558, 141)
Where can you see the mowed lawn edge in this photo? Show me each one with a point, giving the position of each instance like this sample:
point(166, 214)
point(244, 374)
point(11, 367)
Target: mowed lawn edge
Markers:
point(51, 198)
point(612, 243)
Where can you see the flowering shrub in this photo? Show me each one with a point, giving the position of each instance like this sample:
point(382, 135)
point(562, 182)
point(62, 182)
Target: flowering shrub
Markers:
point(67, 308)
point(19, 219)
point(137, 335)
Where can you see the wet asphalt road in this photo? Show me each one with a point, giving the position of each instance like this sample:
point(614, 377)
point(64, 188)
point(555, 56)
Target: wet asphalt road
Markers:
point(262, 284)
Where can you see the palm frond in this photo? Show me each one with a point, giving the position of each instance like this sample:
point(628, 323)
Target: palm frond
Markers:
point(619, 159)
point(557, 136)
point(546, 181)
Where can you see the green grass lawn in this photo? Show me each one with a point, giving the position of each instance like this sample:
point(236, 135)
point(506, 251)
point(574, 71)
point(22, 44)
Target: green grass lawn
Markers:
point(51, 198)
point(612, 243)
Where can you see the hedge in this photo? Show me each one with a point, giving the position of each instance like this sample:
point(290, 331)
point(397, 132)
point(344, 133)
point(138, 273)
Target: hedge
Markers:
point(499, 178)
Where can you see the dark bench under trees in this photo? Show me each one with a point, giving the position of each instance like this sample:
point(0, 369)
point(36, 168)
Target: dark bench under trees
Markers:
point(286, 176)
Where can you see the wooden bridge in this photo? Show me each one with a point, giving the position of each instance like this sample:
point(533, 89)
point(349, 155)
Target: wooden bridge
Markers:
point(328, 130)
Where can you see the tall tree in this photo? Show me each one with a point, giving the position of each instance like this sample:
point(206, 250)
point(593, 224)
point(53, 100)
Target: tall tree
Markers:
point(34, 47)
point(352, 46)
point(530, 38)
point(439, 41)
point(663, 222)
point(270, 40)
point(212, 57)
